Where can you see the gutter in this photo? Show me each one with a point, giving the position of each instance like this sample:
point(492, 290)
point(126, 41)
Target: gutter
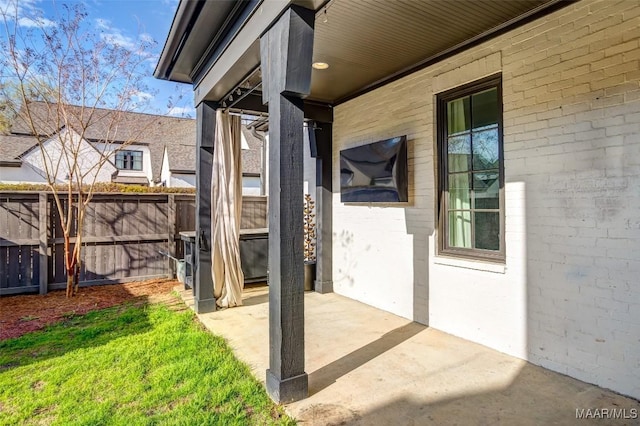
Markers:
point(183, 22)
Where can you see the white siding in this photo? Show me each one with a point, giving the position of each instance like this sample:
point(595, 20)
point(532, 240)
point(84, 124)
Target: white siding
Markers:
point(165, 173)
point(251, 185)
point(23, 174)
point(568, 296)
point(180, 180)
point(54, 160)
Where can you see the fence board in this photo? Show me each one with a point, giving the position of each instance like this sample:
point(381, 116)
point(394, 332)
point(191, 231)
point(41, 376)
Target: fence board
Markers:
point(26, 268)
point(4, 264)
point(123, 234)
point(14, 266)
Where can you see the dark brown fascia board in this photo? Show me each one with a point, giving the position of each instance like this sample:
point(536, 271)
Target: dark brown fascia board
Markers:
point(516, 22)
point(250, 174)
point(181, 26)
point(10, 163)
point(118, 142)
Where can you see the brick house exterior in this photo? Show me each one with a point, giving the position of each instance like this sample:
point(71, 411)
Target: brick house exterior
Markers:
point(567, 297)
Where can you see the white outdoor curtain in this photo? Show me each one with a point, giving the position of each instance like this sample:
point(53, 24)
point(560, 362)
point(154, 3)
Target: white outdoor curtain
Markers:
point(226, 207)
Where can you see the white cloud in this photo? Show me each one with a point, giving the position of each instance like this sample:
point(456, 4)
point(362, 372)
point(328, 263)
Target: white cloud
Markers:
point(25, 13)
point(182, 112)
point(118, 39)
point(142, 96)
point(36, 23)
point(103, 24)
point(115, 37)
point(147, 38)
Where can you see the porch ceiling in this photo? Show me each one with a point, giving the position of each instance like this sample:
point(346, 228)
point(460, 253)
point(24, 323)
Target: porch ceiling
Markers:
point(365, 42)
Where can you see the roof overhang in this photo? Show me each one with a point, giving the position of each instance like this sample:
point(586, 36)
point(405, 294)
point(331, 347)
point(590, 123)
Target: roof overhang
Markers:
point(216, 45)
point(130, 180)
point(183, 171)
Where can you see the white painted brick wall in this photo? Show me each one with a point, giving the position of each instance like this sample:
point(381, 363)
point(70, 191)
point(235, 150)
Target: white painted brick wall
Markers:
point(568, 297)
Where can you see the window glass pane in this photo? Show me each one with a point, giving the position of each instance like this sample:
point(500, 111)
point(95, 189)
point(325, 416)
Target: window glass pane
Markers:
point(459, 153)
point(459, 191)
point(136, 157)
point(459, 115)
point(487, 230)
point(485, 108)
point(485, 149)
point(119, 162)
point(460, 229)
point(486, 186)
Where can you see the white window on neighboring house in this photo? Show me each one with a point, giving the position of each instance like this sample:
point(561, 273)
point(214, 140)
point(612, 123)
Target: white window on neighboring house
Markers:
point(471, 165)
point(129, 160)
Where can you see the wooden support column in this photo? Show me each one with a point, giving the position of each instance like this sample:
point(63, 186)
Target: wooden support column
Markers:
point(202, 280)
point(324, 208)
point(286, 50)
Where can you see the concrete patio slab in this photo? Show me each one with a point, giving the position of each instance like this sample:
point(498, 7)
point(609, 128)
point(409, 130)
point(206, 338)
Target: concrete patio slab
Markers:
point(370, 367)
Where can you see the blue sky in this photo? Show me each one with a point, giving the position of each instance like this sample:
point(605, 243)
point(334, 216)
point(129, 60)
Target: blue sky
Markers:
point(124, 21)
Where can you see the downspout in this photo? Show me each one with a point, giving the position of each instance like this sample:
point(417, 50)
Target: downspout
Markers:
point(263, 161)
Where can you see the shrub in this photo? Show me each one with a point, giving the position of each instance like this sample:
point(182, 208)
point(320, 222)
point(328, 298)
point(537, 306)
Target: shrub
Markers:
point(101, 187)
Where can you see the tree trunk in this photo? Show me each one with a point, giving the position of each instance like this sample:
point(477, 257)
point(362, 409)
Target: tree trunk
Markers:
point(71, 265)
point(70, 276)
point(76, 277)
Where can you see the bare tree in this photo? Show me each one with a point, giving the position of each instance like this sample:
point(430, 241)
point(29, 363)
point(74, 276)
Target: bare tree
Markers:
point(70, 85)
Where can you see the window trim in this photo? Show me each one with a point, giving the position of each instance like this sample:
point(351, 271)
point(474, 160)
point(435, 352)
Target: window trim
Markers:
point(443, 249)
point(127, 153)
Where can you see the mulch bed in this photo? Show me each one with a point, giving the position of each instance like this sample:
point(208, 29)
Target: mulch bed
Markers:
point(23, 314)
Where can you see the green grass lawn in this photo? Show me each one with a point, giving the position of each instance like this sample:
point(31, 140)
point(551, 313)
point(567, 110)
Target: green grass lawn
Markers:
point(129, 365)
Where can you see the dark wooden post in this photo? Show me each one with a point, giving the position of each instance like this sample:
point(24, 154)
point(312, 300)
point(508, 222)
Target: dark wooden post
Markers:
point(324, 208)
point(203, 282)
point(43, 250)
point(286, 50)
point(171, 233)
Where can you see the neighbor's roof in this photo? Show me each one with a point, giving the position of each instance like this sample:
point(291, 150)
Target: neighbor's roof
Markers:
point(251, 158)
point(11, 147)
point(156, 131)
point(182, 157)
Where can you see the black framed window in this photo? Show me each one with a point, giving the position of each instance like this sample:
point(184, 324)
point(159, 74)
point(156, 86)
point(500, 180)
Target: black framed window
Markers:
point(471, 181)
point(129, 160)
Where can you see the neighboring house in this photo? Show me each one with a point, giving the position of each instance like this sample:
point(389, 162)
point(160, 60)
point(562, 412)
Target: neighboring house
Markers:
point(21, 159)
point(135, 149)
point(530, 246)
point(179, 163)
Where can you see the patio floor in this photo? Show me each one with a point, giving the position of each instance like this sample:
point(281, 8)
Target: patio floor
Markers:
point(370, 367)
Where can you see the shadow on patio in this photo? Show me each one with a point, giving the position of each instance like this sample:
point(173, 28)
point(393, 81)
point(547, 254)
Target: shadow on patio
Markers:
point(367, 366)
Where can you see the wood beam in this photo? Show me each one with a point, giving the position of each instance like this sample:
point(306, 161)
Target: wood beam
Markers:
point(313, 110)
point(286, 50)
point(203, 282)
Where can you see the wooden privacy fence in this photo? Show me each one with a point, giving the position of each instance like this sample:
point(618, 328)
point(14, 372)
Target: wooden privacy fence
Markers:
point(122, 239)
